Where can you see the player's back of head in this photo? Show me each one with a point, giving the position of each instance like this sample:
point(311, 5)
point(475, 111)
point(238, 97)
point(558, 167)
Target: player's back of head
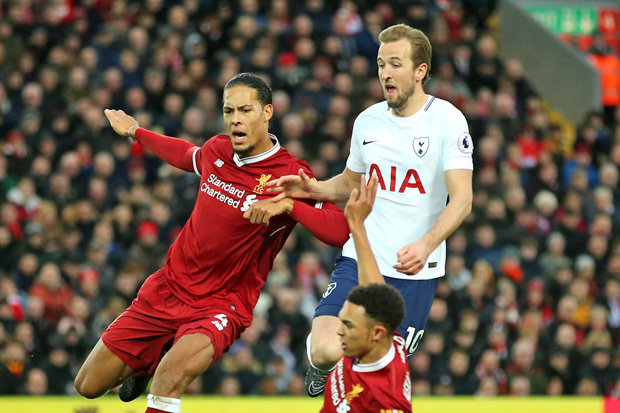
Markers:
point(382, 302)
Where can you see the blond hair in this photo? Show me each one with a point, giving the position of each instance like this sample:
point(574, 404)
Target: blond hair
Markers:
point(421, 50)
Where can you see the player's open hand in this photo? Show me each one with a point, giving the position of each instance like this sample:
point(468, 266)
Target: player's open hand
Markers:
point(361, 201)
point(262, 211)
point(120, 121)
point(412, 257)
point(293, 186)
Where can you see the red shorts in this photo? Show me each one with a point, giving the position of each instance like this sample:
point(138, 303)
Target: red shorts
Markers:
point(156, 319)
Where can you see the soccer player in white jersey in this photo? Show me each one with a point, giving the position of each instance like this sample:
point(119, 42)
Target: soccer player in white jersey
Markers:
point(420, 149)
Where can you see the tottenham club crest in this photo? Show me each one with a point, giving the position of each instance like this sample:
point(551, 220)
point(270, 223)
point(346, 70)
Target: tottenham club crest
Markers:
point(420, 145)
point(465, 144)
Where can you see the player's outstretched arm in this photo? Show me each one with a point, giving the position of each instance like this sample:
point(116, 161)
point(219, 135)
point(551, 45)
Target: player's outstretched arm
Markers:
point(336, 189)
point(412, 257)
point(358, 208)
point(326, 223)
point(176, 152)
point(122, 123)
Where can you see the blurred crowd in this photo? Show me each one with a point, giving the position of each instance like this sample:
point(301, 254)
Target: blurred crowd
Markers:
point(531, 300)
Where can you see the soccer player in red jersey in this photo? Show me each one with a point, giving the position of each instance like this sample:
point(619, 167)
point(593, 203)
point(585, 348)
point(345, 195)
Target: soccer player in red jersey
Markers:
point(373, 374)
point(189, 312)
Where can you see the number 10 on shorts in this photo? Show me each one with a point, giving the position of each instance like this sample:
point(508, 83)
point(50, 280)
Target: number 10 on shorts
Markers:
point(413, 339)
point(221, 322)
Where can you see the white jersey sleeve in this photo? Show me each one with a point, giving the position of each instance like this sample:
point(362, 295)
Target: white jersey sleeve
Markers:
point(457, 143)
point(355, 162)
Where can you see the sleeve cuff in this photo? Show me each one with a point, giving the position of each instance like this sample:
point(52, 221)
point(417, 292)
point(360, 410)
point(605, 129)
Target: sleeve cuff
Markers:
point(194, 162)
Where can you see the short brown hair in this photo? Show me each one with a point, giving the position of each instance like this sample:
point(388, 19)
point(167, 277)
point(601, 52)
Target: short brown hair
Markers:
point(421, 50)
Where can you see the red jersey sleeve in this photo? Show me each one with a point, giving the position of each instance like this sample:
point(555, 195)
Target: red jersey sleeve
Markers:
point(324, 220)
point(177, 152)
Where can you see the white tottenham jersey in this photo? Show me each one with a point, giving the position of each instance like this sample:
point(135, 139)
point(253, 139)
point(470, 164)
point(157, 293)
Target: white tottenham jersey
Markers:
point(409, 156)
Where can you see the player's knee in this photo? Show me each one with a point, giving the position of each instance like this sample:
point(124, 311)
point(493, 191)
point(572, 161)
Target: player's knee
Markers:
point(87, 388)
point(325, 356)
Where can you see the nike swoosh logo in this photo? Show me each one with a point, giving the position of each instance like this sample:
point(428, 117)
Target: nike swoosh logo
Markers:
point(315, 390)
point(367, 142)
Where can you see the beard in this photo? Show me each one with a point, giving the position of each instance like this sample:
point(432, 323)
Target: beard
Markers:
point(402, 99)
point(244, 153)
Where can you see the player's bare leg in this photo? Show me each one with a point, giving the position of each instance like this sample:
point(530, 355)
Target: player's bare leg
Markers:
point(325, 351)
point(188, 358)
point(101, 371)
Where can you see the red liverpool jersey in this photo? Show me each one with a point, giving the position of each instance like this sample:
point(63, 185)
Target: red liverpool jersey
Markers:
point(218, 252)
point(380, 387)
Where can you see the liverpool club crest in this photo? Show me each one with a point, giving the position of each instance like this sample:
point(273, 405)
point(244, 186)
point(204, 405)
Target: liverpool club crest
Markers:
point(420, 145)
point(260, 188)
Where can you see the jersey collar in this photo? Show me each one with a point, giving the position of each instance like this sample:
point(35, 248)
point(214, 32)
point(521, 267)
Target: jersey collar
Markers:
point(377, 365)
point(406, 120)
point(261, 157)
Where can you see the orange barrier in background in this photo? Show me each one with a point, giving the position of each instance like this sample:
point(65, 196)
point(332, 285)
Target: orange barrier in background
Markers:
point(609, 68)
